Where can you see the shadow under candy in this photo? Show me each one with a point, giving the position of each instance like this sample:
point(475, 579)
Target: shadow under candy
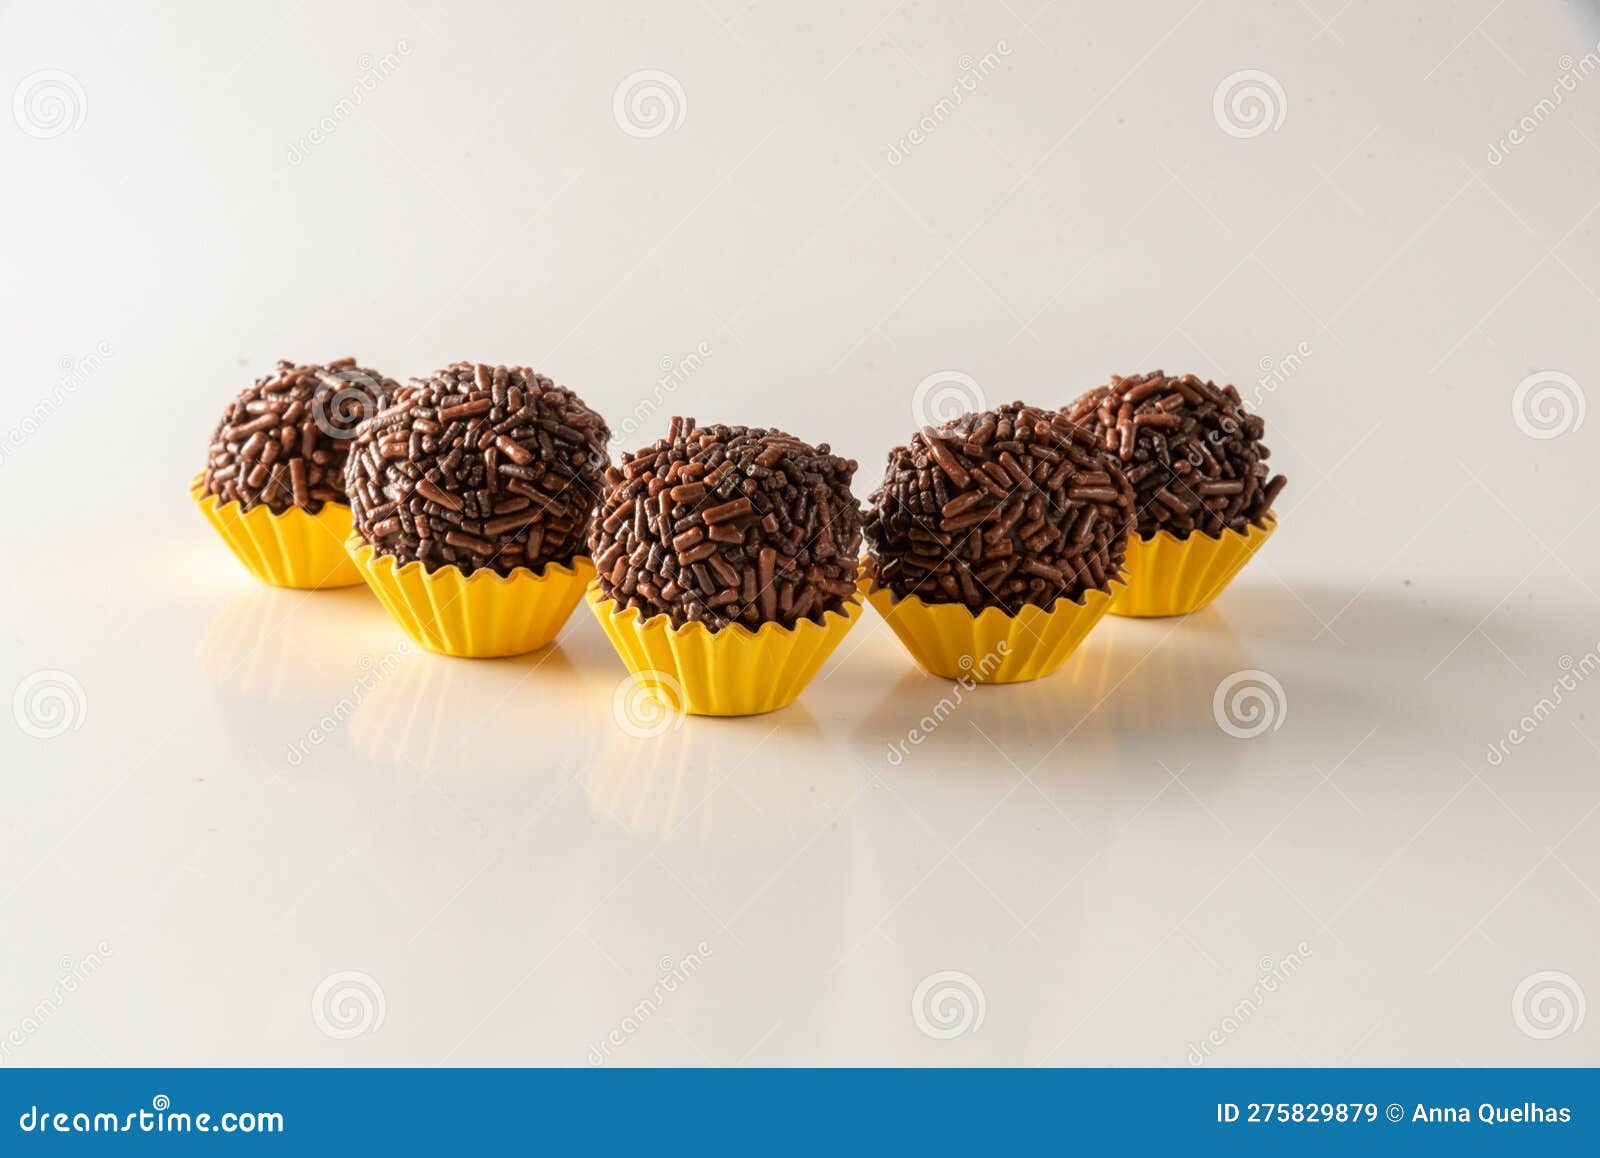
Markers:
point(1162, 673)
point(1133, 684)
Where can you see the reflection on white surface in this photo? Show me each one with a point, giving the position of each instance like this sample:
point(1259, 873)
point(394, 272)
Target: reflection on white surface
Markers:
point(712, 777)
point(255, 806)
point(506, 866)
point(265, 643)
point(447, 714)
point(1131, 676)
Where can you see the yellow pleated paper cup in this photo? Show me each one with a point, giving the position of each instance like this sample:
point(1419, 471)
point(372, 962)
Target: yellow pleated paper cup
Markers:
point(481, 615)
point(732, 672)
point(1171, 576)
point(991, 647)
point(293, 549)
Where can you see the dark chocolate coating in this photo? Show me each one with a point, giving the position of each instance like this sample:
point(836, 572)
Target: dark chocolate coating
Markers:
point(282, 443)
point(1191, 450)
point(729, 524)
point(479, 466)
point(1003, 508)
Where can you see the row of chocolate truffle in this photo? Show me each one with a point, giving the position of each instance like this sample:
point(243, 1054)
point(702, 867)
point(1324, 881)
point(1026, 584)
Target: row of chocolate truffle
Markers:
point(499, 468)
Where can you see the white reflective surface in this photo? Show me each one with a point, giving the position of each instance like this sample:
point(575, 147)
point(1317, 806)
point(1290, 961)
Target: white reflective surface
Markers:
point(277, 836)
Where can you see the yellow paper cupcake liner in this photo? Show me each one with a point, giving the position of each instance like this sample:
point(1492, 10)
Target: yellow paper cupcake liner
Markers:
point(990, 647)
point(293, 549)
point(1172, 576)
point(480, 615)
point(732, 672)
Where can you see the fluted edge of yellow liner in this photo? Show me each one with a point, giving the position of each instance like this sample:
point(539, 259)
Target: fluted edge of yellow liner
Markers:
point(732, 672)
point(1172, 576)
point(990, 647)
point(293, 549)
point(477, 615)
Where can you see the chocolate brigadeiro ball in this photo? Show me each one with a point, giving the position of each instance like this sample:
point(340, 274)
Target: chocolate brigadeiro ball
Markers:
point(728, 524)
point(1001, 508)
point(1191, 451)
point(478, 466)
point(282, 443)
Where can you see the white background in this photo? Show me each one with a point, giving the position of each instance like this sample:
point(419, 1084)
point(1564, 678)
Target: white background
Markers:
point(505, 866)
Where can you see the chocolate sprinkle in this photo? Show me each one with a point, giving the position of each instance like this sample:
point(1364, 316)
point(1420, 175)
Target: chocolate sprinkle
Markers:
point(282, 443)
point(728, 524)
point(1191, 451)
point(479, 466)
point(1001, 508)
